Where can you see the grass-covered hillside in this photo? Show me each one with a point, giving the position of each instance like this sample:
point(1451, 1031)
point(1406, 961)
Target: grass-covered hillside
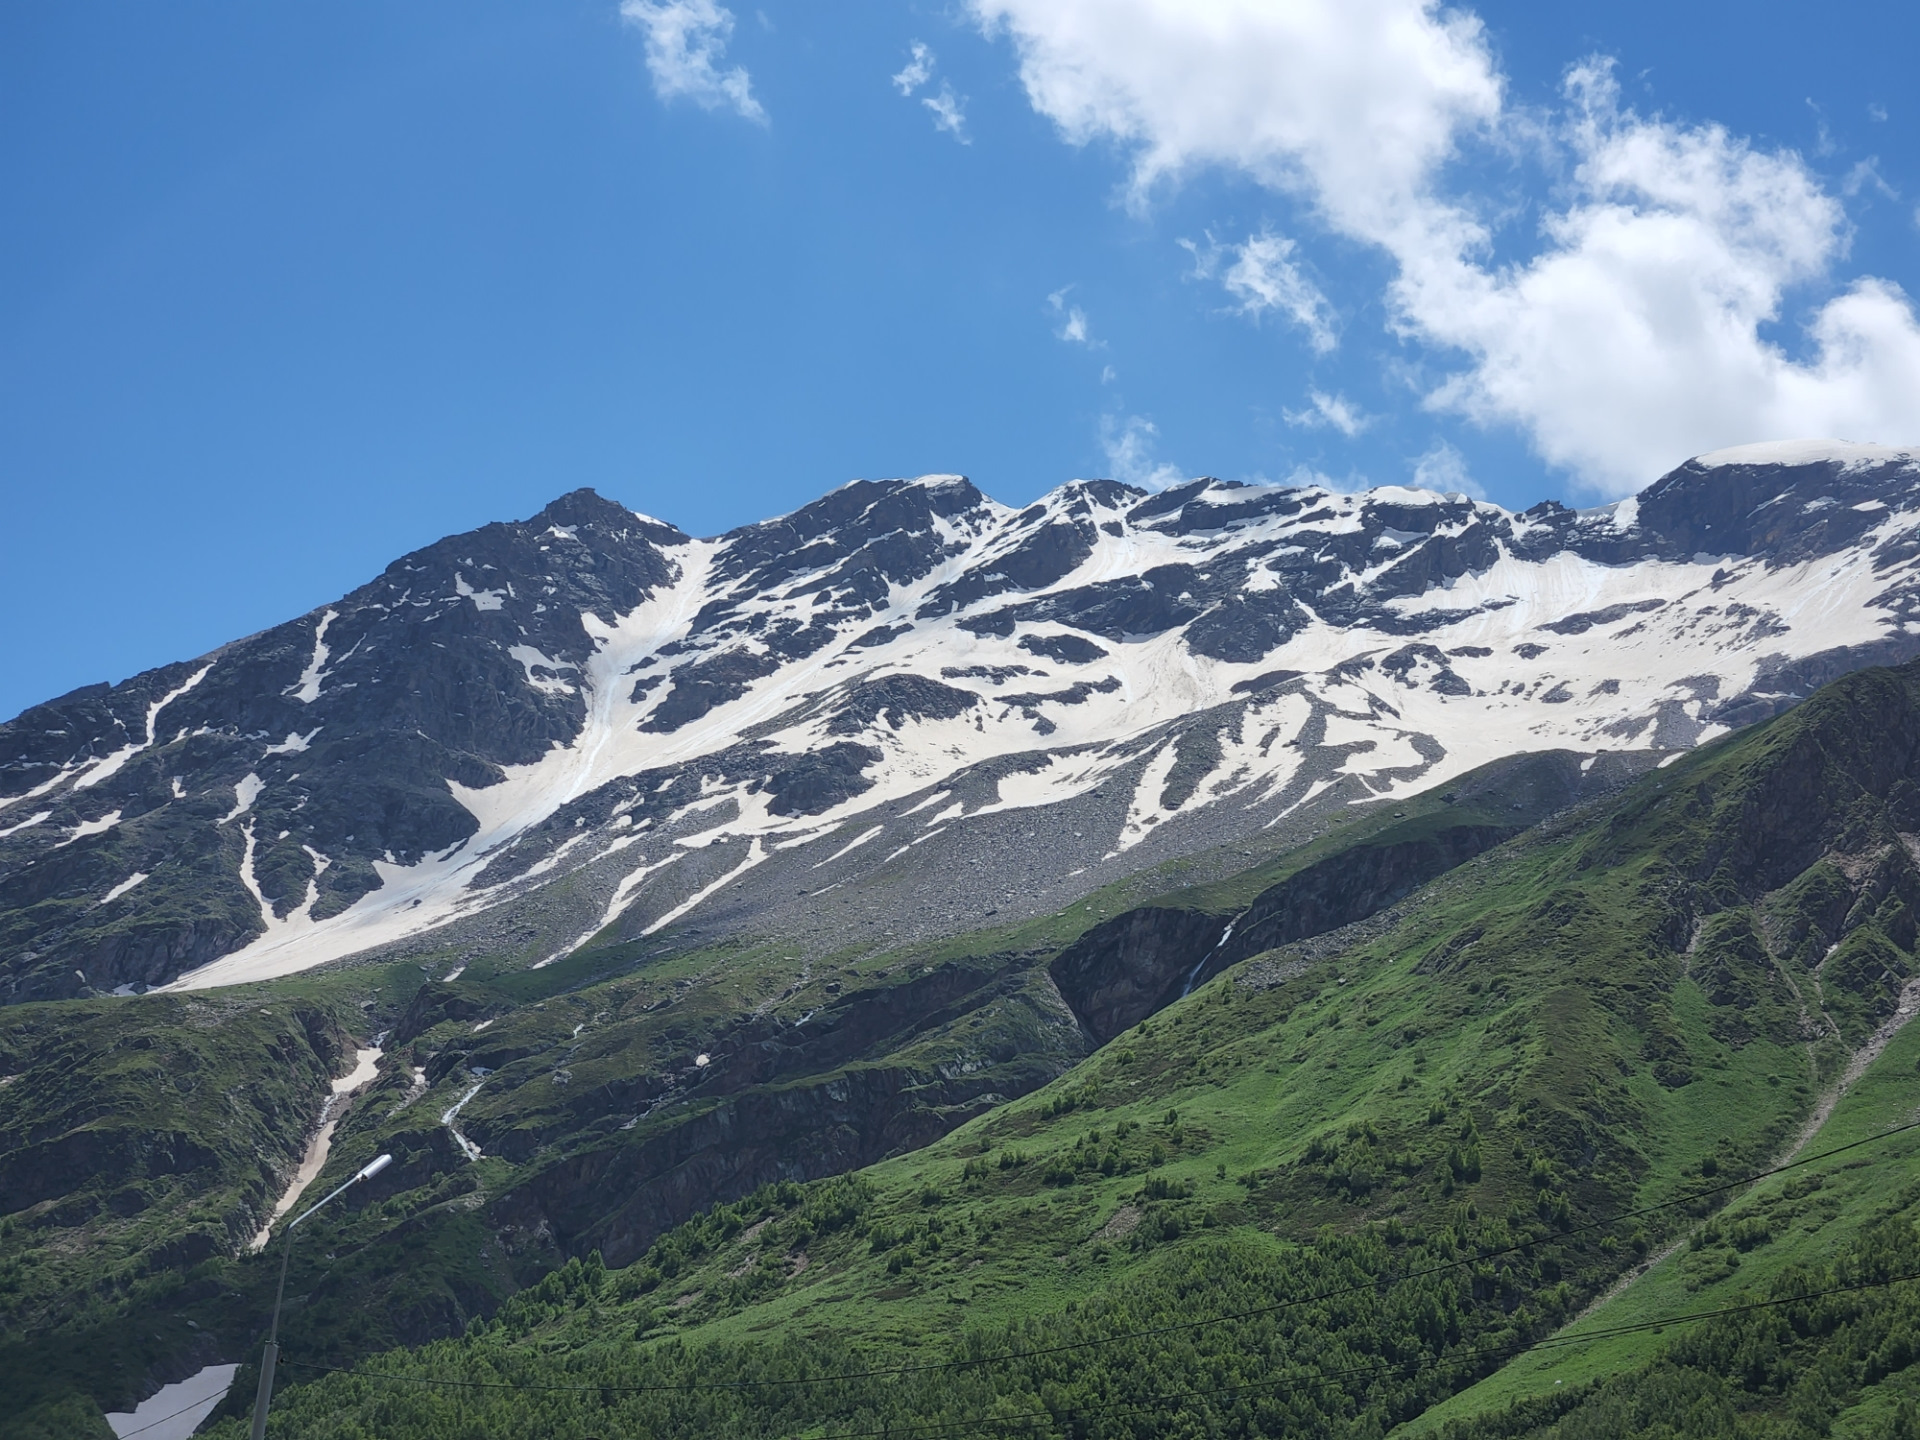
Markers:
point(1343, 1187)
point(610, 1097)
point(140, 1146)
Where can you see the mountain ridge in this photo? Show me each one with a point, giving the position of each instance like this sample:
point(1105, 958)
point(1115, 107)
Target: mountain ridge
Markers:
point(1114, 665)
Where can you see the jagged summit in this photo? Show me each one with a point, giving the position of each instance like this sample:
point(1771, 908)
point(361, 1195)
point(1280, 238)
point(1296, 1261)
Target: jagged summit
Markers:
point(543, 728)
point(587, 507)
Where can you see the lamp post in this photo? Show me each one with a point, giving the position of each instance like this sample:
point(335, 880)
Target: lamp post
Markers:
point(272, 1353)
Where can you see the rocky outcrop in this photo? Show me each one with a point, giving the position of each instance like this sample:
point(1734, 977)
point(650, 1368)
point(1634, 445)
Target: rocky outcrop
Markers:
point(1124, 969)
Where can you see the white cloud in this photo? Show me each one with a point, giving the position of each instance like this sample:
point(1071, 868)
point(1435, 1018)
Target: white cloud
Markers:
point(1864, 175)
point(917, 71)
point(1444, 468)
point(1330, 410)
point(686, 39)
point(1634, 338)
point(1073, 321)
point(949, 113)
point(1130, 445)
point(1262, 276)
point(1355, 101)
point(1630, 339)
point(948, 109)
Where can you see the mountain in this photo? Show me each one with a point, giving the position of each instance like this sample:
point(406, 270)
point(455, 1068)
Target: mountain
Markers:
point(751, 973)
point(900, 712)
point(1473, 1160)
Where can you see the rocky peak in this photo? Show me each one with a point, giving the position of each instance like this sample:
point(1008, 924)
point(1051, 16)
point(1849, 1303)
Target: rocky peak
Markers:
point(587, 717)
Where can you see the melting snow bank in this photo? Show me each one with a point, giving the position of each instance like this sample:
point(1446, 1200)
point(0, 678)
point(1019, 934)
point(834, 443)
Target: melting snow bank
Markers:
point(175, 1411)
point(367, 1064)
point(452, 1113)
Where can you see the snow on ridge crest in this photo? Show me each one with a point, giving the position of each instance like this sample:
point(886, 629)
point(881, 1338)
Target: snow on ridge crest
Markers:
point(1851, 455)
point(909, 642)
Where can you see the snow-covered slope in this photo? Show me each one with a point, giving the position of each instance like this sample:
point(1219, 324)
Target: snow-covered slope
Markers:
point(901, 709)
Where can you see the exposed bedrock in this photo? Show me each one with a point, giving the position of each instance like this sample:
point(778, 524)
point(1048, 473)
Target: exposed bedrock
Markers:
point(1351, 886)
point(619, 1200)
point(1119, 972)
point(881, 1071)
point(1125, 969)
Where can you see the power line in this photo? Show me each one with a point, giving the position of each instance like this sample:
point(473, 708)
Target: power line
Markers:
point(128, 1434)
point(1379, 1285)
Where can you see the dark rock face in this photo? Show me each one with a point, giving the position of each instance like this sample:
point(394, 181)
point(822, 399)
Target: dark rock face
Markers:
point(815, 783)
point(898, 699)
point(1063, 649)
point(347, 725)
point(1125, 969)
point(1353, 885)
point(859, 539)
point(1119, 972)
point(791, 1105)
point(698, 687)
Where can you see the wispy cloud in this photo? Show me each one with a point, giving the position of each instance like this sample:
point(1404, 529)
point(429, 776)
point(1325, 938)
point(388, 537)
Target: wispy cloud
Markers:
point(1261, 275)
point(949, 113)
point(1865, 175)
point(1444, 468)
point(917, 71)
point(1073, 321)
point(949, 110)
point(686, 41)
point(1130, 443)
point(1330, 410)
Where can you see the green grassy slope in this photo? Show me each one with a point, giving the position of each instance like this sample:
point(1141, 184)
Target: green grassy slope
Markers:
point(1773, 1238)
point(190, 1111)
point(1600, 1016)
point(138, 1144)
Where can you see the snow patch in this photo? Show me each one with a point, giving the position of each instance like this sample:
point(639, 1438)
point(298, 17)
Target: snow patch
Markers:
point(550, 683)
point(244, 794)
point(755, 854)
point(174, 1412)
point(294, 744)
point(852, 845)
point(1810, 452)
point(31, 820)
point(452, 1113)
point(111, 764)
point(90, 827)
point(1143, 811)
point(307, 688)
point(122, 888)
point(482, 599)
point(366, 1065)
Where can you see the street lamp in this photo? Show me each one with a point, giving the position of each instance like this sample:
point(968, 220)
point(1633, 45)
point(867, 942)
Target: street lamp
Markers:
point(272, 1353)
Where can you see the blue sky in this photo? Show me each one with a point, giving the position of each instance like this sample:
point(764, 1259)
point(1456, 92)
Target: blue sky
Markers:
point(286, 291)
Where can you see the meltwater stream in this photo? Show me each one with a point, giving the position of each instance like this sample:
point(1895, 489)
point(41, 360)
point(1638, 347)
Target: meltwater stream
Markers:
point(366, 1067)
